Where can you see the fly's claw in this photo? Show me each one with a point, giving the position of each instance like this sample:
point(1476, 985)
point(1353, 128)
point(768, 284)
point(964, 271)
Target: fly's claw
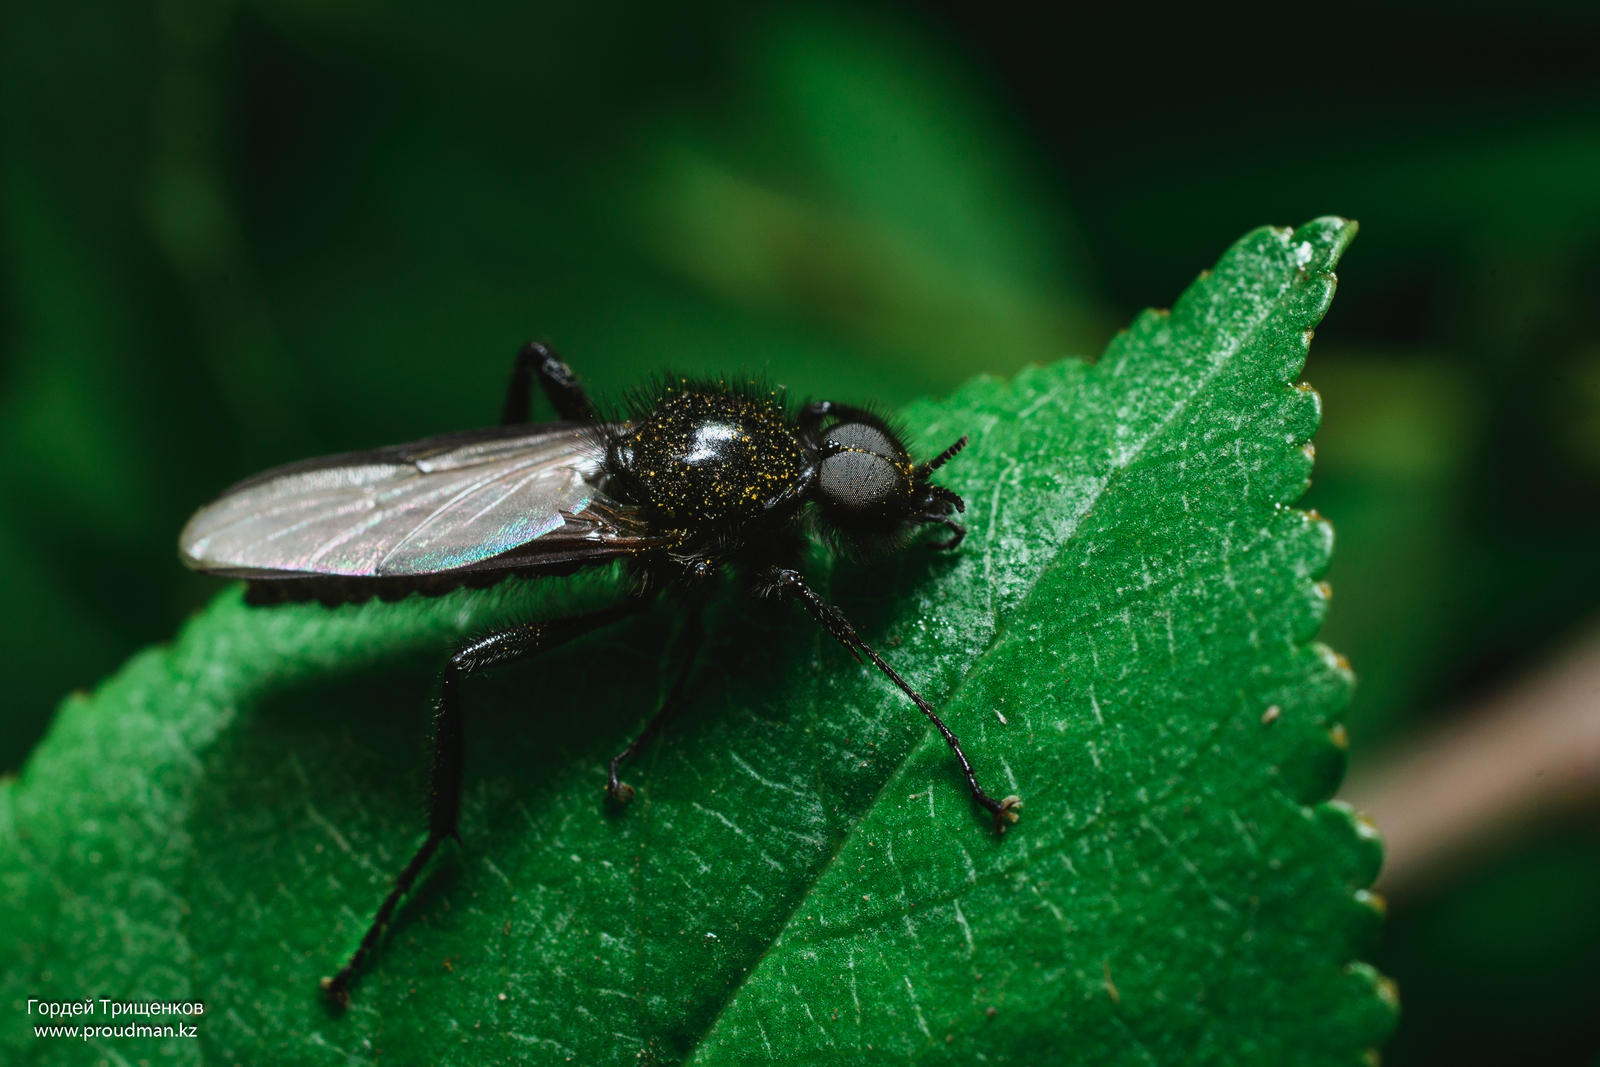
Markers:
point(621, 793)
point(338, 995)
point(1007, 812)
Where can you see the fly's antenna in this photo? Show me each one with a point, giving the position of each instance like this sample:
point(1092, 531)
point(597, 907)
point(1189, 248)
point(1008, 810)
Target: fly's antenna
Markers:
point(926, 470)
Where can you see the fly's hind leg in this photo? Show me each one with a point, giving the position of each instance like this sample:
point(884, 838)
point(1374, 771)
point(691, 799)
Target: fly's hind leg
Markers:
point(444, 790)
point(560, 386)
point(619, 791)
point(787, 582)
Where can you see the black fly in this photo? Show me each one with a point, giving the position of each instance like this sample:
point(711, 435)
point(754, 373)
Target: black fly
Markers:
point(701, 477)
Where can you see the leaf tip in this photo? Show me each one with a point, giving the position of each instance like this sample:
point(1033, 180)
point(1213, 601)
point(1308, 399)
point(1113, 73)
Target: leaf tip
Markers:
point(1320, 243)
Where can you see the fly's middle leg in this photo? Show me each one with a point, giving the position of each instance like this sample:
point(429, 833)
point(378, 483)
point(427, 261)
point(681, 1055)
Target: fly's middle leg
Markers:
point(619, 791)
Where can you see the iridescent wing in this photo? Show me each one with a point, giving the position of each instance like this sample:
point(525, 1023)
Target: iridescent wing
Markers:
point(506, 498)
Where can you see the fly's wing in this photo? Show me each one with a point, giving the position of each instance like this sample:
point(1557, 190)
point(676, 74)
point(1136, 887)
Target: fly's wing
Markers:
point(460, 501)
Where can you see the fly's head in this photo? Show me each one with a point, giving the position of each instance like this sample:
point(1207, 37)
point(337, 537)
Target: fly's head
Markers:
point(870, 494)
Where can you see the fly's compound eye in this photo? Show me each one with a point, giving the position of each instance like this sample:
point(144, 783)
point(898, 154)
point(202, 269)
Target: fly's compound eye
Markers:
point(865, 473)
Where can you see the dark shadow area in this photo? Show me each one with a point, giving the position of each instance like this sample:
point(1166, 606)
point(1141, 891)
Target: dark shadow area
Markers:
point(1501, 969)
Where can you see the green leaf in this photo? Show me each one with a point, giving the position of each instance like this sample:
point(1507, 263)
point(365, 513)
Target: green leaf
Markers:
point(1125, 639)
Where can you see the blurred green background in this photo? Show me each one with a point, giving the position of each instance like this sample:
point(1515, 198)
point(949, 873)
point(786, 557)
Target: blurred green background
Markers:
point(237, 234)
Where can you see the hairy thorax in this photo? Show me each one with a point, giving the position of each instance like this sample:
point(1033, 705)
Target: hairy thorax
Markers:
point(700, 458)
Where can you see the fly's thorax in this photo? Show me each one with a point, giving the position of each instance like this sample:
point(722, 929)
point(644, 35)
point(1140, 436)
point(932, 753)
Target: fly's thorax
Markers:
point(703, 456)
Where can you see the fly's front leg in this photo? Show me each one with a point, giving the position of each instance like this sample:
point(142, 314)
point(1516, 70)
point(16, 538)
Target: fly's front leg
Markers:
point(788, 582)
point(621, 791)
point(560, 385)
point(444, 789)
